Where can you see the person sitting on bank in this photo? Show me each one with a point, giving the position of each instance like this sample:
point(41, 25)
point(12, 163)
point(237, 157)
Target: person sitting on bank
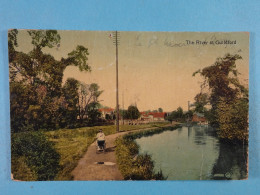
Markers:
point(100, 138)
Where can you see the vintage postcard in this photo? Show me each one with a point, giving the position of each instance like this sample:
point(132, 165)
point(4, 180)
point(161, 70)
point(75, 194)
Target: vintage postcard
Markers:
point(115, 105)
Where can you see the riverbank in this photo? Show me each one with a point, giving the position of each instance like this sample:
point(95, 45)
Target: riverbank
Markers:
point(67, 146)
point(135, 166)
point(102, 165)
point(195, 153)
point(72, 144)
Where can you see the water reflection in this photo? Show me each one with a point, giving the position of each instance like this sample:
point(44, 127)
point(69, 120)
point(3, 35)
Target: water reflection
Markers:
point(231, 162)
point(189, 132)
point(195, 153)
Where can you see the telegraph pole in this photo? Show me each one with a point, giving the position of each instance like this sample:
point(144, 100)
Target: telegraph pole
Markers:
point(123, 108)
point(116, 42)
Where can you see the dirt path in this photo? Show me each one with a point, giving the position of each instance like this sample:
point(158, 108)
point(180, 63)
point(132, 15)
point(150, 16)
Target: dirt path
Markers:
point(88, 169)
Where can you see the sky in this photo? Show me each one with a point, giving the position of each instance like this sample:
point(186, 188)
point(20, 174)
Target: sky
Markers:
point(155, 68)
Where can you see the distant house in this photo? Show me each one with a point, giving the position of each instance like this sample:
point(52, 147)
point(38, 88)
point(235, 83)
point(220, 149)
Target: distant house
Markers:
point(145, 117)
point(106, 111)
point(153, 116)
point(158, 116)
point(198, 117)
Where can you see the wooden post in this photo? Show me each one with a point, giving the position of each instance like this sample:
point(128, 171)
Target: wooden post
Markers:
point(117, 106)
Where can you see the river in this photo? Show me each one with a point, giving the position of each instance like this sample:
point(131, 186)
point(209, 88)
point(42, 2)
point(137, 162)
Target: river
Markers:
point(194, 153)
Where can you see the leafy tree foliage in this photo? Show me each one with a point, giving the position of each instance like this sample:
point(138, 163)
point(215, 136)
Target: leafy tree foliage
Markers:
point(160, 110)
point(222, 80)
point(12, 43)
point(124, 113)
point(38, 99)
point(133, 112)
point(188, 115)
point(39, 154)
point(233, 119)
point(176, 115)
point(88, 99)
point(44, 38)
point(201, 100)
point(179, 112)
point(92, 113)
point(79, 58)
point(70, 91)
point(228, 98)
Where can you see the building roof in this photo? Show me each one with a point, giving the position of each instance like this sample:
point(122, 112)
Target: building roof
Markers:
point(106, 110)
point(157, 114)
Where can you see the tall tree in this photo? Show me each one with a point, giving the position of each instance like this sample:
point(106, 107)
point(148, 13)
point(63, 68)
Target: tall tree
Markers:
point(12, 43)
point(179, 112)
point(88, 96)
point(228, 98)
point(36, 70)
point(71, 95)
point(201, 100)
point(93, 113)
point(123, 113)
point(133, 112)
point(176, 115)
point(232, 118)
point(222, 80)
point(160, 110)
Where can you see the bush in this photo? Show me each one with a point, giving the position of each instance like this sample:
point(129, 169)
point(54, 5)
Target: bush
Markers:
point(38, 153)
point(133, 165)
point(21, 171)
point(137, 166)
point(233, 120)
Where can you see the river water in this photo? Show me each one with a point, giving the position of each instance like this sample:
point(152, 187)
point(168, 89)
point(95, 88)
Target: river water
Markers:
point(195, 153)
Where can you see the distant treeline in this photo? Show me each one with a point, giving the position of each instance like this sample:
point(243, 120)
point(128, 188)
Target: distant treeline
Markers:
point(179, 116)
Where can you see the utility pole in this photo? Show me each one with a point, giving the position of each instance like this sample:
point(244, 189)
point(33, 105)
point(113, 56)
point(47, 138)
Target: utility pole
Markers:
point(123, 108)
point(116, 37)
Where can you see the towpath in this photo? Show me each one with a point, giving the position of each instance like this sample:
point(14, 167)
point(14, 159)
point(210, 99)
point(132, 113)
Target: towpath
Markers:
point(101, 166)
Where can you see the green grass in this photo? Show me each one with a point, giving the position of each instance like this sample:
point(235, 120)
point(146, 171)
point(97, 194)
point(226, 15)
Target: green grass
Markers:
point(71, 144)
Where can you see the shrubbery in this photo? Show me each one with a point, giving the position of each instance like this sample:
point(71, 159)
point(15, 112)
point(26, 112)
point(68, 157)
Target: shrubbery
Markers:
point(233, 120)
point(37, 153)
point(133, 165)
point(228, 98)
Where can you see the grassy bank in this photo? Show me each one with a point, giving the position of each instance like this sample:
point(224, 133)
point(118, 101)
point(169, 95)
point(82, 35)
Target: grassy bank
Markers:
point(71, 144)
point(52, 155)
point(133, 165)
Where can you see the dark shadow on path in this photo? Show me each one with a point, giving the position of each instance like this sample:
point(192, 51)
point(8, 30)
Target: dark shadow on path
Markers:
point(111, 149)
